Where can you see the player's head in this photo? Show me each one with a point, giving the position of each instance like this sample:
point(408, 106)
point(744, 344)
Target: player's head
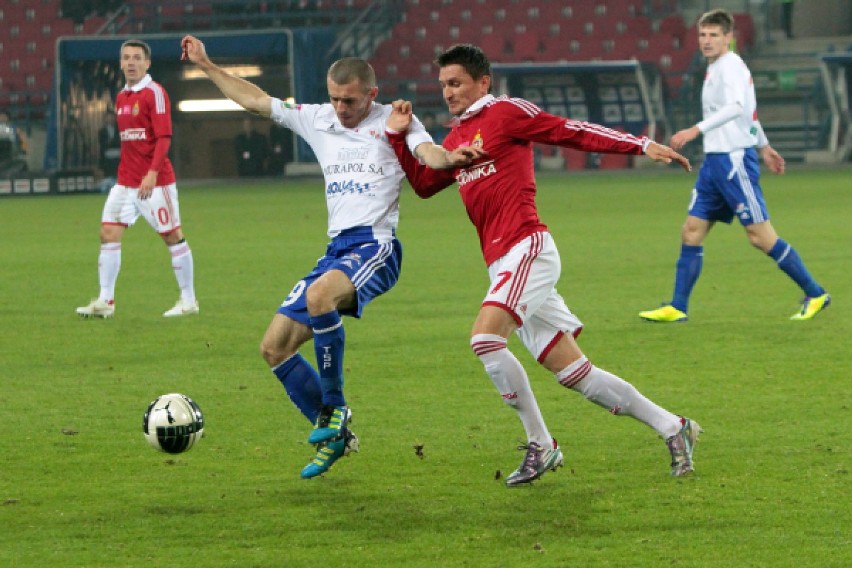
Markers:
point(715, 32)
point(465, 76)
point(135, 59)
point(351, 89)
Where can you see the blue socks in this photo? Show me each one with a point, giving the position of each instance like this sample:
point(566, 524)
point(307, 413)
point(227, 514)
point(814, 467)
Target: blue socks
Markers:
point(692, 258)
point(328, 345)
point(686, 274)
point(302, 384)
point(788, 260)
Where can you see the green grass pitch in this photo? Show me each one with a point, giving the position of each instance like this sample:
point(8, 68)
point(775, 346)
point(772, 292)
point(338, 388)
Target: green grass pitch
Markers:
point(79, 486)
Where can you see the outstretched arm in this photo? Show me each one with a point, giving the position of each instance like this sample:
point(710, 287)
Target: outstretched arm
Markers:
point(246, 94)
point(434, 156)
point(660, 153)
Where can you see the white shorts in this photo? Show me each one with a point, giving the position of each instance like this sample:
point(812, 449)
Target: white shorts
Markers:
point(161, 210)
point(523, 282)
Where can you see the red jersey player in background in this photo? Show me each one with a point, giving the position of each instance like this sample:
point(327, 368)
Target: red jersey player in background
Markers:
point(145, 186)
point(498, 190)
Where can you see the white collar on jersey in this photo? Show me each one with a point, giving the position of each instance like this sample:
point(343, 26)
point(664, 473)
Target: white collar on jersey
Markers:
point(473, 109)
point(327, 118)
point(140, 85)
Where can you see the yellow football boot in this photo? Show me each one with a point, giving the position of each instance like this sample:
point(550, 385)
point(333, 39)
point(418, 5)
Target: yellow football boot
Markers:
point(811, 307)
point(665, 313)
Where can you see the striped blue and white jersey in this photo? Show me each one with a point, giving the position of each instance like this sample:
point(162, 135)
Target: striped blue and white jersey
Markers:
point(362, 174)
point(729, 107)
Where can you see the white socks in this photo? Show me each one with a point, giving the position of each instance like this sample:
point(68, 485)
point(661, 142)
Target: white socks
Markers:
point(183, 267)
point(511, 380)
point(617, 395)
point(109, 263)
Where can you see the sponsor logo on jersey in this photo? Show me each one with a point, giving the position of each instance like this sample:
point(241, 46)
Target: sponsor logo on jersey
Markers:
point(133, 134)
point(349, 186)
point(353, 167)
point(351, 154)
point(468, 175)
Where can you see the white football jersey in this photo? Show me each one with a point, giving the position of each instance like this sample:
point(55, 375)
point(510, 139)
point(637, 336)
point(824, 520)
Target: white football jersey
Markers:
point(362, 174)
point(729, 107)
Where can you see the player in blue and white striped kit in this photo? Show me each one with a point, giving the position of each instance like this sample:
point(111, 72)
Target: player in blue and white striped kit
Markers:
point(363, 260)
point(728, 182)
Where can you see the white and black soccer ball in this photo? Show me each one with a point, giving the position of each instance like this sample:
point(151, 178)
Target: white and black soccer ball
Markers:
point(173, 423)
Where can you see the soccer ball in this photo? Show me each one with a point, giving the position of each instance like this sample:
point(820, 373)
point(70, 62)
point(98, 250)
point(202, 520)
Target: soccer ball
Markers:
point(173, 423)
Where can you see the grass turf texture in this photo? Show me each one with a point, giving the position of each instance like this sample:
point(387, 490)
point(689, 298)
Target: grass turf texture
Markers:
point(79, 486)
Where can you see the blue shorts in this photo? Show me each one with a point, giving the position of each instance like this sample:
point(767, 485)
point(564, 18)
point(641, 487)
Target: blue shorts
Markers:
point(372, 267)
point(728, 185)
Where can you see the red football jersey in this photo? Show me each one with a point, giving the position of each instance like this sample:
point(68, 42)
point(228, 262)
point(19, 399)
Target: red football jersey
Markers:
point(143, 114)
point(499, 190)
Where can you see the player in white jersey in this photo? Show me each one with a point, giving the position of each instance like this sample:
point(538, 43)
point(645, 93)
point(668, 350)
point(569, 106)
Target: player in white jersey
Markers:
point(728, 182)
point(362, 187)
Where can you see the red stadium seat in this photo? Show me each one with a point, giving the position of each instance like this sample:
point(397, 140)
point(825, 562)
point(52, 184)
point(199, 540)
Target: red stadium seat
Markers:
point(525, 46)
point(673, 26)
point(744, 31)
point(640, 26)
point(494, 45)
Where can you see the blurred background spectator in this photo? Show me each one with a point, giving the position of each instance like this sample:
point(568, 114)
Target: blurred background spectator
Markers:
point(252, 149)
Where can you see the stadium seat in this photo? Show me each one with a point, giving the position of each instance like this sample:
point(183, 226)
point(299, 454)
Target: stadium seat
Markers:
point(639, 26)
point(681, 59)
point(672, 26)
point(634, 8)
point(494, 45)
point(744, 31)
point(690, 40)
point(622, 48)
point(525, 46)
point(557, 12)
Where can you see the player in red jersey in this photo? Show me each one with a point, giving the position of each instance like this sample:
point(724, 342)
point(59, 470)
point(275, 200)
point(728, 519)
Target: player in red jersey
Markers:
point(498, 190)
point(146, 184)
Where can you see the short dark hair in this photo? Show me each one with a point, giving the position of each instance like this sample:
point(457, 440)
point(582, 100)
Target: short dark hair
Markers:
point(470, 57)
point(350, 69)
point(718, 17)
point(138, 43)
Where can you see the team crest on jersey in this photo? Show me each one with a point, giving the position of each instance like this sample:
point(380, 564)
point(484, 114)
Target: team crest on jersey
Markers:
point(477, 141)
point(135, 111)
